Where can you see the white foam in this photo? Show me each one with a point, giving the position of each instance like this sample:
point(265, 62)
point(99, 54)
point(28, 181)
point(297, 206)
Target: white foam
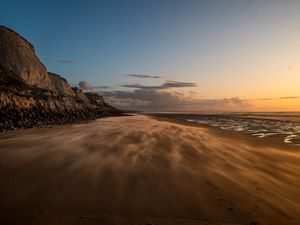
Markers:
point(259, 128)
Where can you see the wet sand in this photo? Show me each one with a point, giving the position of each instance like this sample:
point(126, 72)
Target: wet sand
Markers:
point(139, 170)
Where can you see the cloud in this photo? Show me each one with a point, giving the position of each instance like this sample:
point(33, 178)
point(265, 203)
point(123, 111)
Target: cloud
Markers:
point(166, 85)
point(163, 99)
point(292, 69)
point(101, 87)
point(264, 99)
point(84, 85)
point(289, 97)
point(144, 76)
point(280, 98)
point(66, 61)
point(127, 102)
point(166, 97)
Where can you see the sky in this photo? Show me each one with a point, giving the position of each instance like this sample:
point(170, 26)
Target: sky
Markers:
point(170, 55)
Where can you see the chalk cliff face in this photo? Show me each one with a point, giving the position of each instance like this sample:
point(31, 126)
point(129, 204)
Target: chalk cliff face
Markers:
point(30, 95)
point(60, 85)
point(18, 56)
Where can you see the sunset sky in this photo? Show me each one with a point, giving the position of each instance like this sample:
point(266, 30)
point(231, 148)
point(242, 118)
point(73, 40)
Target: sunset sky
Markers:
point(169, 55)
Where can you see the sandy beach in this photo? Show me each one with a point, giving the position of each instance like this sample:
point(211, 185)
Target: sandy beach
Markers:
point(138, 170)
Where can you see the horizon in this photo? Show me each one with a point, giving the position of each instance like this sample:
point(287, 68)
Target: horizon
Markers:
point(170, 55)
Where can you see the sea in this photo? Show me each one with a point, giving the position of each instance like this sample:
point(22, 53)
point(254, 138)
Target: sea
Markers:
point(257, 124)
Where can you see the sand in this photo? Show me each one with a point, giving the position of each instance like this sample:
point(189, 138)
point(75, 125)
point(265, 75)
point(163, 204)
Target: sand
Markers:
point(139, 170)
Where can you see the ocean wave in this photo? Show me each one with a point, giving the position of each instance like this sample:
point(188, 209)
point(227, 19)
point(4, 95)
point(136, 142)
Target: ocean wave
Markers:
point(259, 128)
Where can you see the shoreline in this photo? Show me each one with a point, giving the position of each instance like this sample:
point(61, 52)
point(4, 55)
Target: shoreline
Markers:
point(272, 141)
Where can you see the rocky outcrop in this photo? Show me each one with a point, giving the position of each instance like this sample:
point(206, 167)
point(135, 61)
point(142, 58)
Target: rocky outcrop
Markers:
point(60, 85)
point(79, 94)
point(30, 96)
point(97, 100)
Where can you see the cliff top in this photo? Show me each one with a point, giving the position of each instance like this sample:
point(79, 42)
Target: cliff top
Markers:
point(57, 76)
point(15, 33)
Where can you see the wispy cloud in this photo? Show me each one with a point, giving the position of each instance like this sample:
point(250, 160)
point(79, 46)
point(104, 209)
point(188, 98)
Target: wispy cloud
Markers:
point(144, 76)
point(289, 97)
point(262, 99)
point(292, 69)
point(166, 85)
point(101, 87)
point(280, 98)
point(66, 61)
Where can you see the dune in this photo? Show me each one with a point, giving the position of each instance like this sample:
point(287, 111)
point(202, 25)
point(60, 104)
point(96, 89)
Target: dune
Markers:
point(139, 170)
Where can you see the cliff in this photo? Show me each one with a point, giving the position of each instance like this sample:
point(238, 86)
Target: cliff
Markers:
point(18, 56)
point(32, 96)
point(60, 85)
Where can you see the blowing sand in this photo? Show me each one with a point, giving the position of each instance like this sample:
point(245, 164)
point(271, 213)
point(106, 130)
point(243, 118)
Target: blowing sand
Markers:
point(138, 170)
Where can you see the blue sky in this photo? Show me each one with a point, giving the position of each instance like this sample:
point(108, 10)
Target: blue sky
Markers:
point(223, 46)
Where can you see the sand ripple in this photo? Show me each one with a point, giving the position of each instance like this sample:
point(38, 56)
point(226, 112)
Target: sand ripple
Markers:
point(137, 170)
